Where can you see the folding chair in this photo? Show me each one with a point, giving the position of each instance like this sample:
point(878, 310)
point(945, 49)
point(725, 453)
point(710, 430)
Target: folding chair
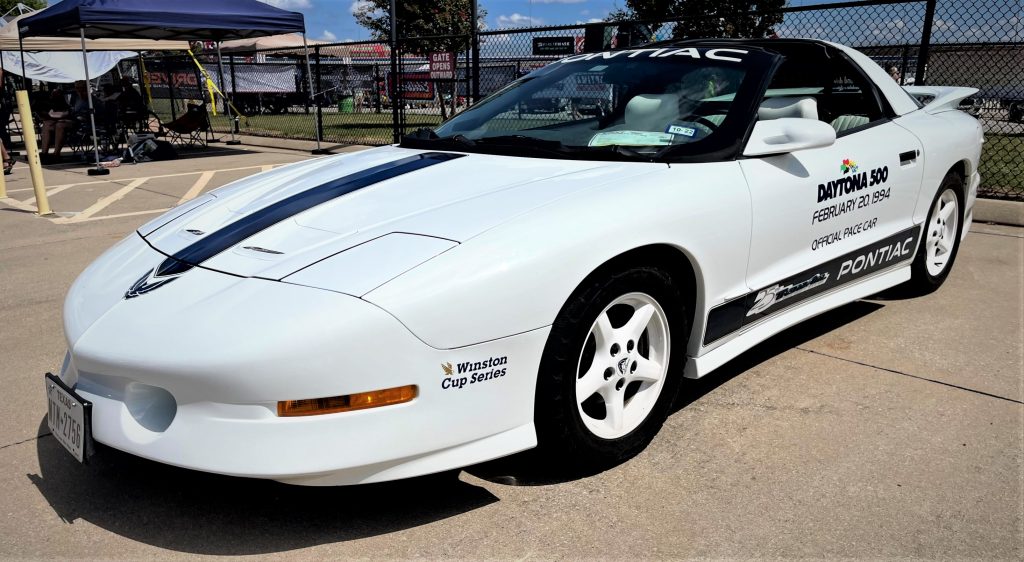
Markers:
point(191, 129)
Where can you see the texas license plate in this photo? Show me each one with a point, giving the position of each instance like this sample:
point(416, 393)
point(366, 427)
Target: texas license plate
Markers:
point(68, 417)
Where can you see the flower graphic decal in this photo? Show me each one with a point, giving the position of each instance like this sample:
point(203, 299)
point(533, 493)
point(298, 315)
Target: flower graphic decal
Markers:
point(848, 166)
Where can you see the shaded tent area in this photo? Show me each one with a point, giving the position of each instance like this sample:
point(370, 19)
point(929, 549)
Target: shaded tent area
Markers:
point(59, 59)
point(180, 20)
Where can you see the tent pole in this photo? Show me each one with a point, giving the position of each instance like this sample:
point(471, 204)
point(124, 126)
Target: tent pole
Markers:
point(309, 75)
point(98, 170)
point(3, 181)
point(21, 53)
point(224, 88)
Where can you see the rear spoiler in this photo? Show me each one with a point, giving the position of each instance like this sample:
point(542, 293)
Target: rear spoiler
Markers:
point(937, 99)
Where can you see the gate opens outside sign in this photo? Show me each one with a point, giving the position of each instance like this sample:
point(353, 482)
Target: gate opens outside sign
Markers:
point(442, 67)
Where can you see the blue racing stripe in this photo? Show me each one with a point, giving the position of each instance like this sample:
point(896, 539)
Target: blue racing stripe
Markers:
point(232, 234)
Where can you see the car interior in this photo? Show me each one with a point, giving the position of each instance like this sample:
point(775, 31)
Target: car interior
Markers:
point(816, 82)
point(830, 88)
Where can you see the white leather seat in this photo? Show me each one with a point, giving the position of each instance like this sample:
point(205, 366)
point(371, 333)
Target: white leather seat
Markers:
point(804, 107)
point(651, 112)
point(846, 122)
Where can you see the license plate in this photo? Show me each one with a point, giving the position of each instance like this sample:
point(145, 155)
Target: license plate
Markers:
point(69, 418)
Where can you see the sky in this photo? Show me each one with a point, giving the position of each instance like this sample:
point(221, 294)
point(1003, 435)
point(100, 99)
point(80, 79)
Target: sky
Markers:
point(332, 19)
point(956, 20)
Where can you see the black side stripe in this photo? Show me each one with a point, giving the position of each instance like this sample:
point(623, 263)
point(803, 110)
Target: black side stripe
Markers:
point(234, 233)
point(732, 316)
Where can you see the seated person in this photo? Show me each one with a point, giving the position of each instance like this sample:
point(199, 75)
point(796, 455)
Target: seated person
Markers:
point(130, 100)
point(63, 117)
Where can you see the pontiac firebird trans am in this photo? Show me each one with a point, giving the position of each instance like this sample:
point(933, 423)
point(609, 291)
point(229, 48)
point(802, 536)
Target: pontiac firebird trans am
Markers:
point(516, 279)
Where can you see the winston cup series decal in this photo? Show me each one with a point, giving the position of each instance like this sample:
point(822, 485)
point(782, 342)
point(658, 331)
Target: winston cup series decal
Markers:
point(733, 315)
point(471, 372)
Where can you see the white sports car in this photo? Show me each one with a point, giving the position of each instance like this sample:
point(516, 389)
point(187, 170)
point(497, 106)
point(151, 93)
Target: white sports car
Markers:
point(516, 279)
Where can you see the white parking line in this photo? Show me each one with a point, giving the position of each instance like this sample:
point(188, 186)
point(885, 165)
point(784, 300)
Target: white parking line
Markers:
point(119, 215)
point(18, 204)
point(197, 187)
point(88, 215)
point(104, 202)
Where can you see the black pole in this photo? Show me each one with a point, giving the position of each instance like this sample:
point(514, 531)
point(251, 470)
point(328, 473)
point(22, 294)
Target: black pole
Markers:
point(168, 70)
point(319, 100)
point(376, 88)
point(309, 99)
point(904, 59)
point(474, 40)
point(926, 42)
point(227, 102)
point(393, 90)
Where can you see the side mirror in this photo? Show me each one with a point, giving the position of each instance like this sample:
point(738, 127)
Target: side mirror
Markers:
point(788, 134)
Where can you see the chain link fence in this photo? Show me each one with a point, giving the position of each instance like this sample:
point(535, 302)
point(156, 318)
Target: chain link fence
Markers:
point(368, 93)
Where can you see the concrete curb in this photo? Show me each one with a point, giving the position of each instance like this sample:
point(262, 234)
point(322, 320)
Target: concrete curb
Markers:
point(999, 212)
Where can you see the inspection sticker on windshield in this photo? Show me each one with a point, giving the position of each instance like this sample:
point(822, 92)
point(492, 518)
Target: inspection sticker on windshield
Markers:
point(681, 130)
point(631, 138)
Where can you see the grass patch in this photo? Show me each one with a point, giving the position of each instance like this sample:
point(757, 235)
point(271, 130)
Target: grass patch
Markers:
point(353, 128)
point(1002, 158)
point(1002, 166)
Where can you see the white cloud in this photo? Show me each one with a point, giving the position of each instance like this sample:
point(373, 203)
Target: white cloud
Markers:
point(591, 20)
point(518, 20)
point(359, 6)
point(328, 36)
point(288, 4)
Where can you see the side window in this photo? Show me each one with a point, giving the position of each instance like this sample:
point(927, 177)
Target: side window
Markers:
point(850, 100)
point(842, 96)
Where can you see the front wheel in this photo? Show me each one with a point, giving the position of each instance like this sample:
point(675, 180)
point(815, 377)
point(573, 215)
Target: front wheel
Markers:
point(942, 234)
point(608, 375)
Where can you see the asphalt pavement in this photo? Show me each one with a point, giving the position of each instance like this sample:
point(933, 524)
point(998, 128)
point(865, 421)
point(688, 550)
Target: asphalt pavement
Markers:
point(888, 428)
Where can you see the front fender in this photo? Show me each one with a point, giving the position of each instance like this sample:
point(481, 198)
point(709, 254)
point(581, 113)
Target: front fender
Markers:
point(516, 277)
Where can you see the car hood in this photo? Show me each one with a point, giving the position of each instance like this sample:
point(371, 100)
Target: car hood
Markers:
point(273, 224)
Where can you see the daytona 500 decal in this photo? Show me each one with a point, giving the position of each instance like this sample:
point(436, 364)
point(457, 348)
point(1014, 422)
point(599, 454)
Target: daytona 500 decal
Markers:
point(733, 315)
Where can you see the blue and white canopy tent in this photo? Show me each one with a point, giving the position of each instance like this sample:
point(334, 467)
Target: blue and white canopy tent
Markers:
point(182, 20)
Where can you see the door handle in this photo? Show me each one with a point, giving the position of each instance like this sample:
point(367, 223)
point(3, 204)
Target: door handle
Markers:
point(908, 157)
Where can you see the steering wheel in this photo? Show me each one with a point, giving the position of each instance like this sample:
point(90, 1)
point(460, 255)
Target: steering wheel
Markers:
point(692, 118)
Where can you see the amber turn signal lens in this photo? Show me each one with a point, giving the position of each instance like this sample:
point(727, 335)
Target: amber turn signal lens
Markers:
point(347, 403)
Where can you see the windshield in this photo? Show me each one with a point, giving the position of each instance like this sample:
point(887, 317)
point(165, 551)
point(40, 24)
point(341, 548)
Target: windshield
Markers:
point(640, 103)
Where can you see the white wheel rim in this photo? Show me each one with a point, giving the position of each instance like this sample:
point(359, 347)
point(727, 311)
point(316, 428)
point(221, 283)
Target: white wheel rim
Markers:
point(622, 366)
point(940, 238)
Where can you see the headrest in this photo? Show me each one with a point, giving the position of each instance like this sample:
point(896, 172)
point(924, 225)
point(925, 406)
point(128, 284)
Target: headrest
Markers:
point(804, 107)
point(652, 111)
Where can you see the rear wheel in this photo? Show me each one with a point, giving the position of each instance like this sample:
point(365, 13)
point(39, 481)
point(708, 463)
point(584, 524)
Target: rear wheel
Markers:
point(942, 233)
point(608, 375)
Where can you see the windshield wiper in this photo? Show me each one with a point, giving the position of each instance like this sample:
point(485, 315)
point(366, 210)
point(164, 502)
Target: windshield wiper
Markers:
point(627, 152)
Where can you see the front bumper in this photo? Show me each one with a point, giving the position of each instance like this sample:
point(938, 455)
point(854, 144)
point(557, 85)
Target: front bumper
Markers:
point(190, 375)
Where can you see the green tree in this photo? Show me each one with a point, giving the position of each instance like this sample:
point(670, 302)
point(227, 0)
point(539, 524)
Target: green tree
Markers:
point(420, 18)
point(707, 18)
point(424, 26)
point(6, 5)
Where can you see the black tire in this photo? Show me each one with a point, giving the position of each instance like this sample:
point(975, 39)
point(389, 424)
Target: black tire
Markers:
point(560, 428)
point(923, 281)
